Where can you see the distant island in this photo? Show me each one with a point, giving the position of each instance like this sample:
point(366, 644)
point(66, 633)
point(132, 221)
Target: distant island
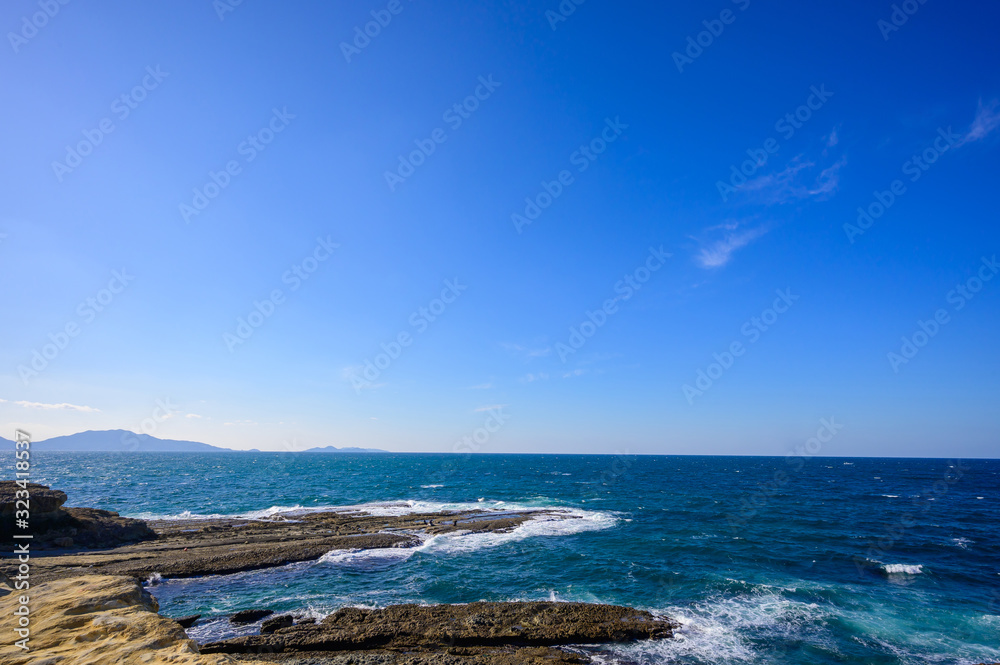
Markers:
point(119, 440)
point(331, 449)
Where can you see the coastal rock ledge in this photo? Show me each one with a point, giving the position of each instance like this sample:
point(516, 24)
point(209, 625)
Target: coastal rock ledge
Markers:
point(475, 631)
point(100, 619)
point(97, 620)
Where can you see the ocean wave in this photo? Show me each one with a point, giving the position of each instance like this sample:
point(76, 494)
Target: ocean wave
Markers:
point(902, 569)
point(377, 508)
point(725, 630)
point(566, 522)
point(562, 523)
point(373, 559)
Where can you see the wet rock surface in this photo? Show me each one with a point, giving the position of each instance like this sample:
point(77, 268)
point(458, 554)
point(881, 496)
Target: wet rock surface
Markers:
point(464, 631)
point(250, 616)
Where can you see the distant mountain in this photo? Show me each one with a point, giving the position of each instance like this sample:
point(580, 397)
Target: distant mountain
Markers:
point(119, 440)
point(331, 449)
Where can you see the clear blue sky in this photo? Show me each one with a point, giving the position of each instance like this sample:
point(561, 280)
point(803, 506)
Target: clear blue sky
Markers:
point(668, 129)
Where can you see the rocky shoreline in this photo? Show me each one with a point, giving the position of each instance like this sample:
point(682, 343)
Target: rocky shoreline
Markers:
point(90, 606)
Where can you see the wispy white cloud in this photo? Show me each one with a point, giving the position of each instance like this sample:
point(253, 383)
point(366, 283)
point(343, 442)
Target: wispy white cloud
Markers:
point(574, 373)
point(52, 407)
point(987, 120)
point(193, 415)
point(720, 252)
point(786, 186)
point(245, 423)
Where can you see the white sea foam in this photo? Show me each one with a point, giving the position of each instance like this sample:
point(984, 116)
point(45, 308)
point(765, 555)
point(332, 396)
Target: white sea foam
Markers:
point(373, 559)
point(431, 487)
point(380, 509)
point(564, 522)
point(720, 630)
point(962, 542)
point(902, 569)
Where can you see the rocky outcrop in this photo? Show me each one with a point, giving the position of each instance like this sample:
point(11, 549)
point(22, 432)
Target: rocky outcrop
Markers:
point(476, 626)
point(192, 548)
point(249, 616)
point(44, 502)
point(276, 623)
point(55, 527)
point(97, 620)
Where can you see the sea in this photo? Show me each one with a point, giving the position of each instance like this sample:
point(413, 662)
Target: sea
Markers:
point(805, 561)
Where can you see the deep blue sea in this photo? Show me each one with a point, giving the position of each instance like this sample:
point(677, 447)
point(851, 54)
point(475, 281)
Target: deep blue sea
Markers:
point(764, 560)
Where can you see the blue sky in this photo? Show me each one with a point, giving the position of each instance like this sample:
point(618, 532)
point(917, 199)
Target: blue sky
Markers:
point(184, 165)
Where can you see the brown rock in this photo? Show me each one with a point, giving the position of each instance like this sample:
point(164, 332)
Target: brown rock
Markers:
point(275, 623)
point(476, 625)
point(42, 499)
point(98, 529)
point(55, 526)
point(188, 621)
point(250, 616)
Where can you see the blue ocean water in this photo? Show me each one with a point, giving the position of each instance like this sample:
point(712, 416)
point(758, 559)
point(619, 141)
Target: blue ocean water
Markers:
point(764, 560)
